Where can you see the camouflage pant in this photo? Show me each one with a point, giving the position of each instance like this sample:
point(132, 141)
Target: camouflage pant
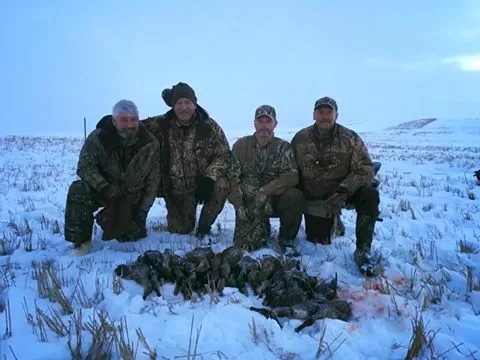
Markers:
point(182, 211)
point(82, 202)
point(365, 201)
point(252, 234)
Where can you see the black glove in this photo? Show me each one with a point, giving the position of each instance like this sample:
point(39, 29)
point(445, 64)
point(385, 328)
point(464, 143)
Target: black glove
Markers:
point(477, 174)
point(204, 190)
point(111, 193)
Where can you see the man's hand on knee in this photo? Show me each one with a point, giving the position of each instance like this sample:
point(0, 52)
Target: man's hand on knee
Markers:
point(111, 193)
point(241, 213)
point(335, 203)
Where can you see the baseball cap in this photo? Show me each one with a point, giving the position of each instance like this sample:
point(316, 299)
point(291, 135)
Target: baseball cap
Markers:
point(326, 101)
point(266, 110)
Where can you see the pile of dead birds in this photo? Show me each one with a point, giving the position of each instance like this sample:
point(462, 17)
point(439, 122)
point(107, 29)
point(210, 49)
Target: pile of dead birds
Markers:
point(287, 290)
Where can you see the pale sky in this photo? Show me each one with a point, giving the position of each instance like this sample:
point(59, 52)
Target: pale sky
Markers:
point(384, 62)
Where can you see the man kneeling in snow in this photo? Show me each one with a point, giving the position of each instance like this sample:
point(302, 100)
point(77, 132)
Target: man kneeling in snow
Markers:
point(118, 170)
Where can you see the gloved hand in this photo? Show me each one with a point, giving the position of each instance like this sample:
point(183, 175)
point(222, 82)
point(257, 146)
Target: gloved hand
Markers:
point(259, 207)
point(111, 193)
point(477, 174)
point(335, 203)
point(241, 213)
point(260, 199)
point(204, 190)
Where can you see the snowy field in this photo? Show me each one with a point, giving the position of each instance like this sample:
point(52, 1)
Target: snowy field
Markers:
point(427, 299)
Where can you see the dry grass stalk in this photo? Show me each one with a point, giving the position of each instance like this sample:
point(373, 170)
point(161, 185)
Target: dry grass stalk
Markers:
point(80, 295)
point(125, 349)
point(421, 340)
point(191, 355)
point(152, 353)
point(467, 247)
point(99, 286)
point(322, 346)
point(54, 322)
point(469, 279)
point(8, 244)
point(42, 332)
point(102, 331)
point(117, 285)
point(254, 331)
point(417, 341)
point(49, 286)
point(212, 289)
point(29, 317)
point(8, 320)
point(75, 337)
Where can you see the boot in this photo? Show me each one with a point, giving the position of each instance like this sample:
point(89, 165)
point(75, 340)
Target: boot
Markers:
point(365, 226)
point(81, 249)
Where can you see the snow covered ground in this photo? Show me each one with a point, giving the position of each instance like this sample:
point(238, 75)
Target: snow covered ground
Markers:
point(430, 240)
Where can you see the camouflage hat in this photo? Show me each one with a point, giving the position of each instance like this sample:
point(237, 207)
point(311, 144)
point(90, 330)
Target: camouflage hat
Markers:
point(266, 110)
point(326, 101)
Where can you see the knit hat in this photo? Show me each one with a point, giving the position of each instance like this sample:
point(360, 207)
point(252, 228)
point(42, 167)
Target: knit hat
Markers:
point(181, 90)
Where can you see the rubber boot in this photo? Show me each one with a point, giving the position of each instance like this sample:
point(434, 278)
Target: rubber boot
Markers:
point(365, 226)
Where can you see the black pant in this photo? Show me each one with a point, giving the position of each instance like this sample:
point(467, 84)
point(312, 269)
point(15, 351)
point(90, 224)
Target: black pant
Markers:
point(365, 201)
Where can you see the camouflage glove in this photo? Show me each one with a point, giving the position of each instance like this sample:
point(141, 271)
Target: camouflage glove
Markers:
point(335, 203)
point(477, 174)
point(241, 213)
point(261, 205)
point(204, 190)
point(260, 199)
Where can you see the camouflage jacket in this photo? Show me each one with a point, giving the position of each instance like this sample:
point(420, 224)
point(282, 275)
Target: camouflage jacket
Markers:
point(340, 162)
point(105, 159)
point(189, 153)
point(274, 168)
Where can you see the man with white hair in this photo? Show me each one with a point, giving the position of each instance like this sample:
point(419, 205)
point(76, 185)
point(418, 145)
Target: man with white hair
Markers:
point(118, 170)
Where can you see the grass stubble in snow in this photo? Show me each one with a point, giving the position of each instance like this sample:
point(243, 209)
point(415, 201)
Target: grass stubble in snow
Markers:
point(425, 304)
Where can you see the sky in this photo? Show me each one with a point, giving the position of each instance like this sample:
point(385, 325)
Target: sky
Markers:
point(384, 62)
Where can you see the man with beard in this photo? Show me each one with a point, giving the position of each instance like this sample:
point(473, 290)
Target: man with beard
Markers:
point(118, 170)
point(264, 175)
point(336, 168)
point(194, 163)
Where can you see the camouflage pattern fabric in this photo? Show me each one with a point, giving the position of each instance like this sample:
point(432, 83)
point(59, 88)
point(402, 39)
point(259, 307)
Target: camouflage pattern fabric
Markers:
point(181, 210)
point(251, 234)
point(189, 152)
point(272, 168)
point(107, 159)
point(339, 163)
